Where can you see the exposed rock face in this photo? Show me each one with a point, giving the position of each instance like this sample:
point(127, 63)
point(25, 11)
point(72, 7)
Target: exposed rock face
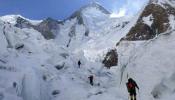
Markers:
point(154, 20)
point(22, 23)
point(49, 28)
point(157, 15)
point(111, 59)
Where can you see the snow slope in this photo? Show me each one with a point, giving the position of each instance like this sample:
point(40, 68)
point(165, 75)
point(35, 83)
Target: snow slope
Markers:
point(23, 66)
point(103, 33)
point(33, 68)
point(39, 68)
point(2, 40)
point(151, 64)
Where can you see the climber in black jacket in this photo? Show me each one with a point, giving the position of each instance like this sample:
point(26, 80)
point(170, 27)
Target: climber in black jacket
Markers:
point(131, 86)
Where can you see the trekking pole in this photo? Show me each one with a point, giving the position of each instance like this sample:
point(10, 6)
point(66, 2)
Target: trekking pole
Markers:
point(139, 94)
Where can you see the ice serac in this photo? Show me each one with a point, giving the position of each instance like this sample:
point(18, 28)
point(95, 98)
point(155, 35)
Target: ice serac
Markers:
point(3, 40)
point(155, 19)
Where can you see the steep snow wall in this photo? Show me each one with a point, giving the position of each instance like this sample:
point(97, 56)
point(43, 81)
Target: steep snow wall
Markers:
point(3, 41)
point(150, 64)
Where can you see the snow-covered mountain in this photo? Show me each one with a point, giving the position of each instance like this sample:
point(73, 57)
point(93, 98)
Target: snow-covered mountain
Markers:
point(39, 59)
point(49, 27)
point(17, 19)
point(37, 67)
point(89, 23)
point(157, 17)
point(151, 64)
point(89, 30)
point(145, 54)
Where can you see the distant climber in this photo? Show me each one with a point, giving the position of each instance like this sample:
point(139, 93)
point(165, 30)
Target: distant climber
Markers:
point(14, 84)
point(131, 86)
point(79, 63)
point(91, 80)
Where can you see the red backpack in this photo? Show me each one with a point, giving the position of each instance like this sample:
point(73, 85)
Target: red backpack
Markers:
point(130, 85)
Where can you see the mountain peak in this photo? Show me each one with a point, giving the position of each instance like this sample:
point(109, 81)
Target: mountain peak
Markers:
point(94, 5)
point(97, 6)
point(13, 19)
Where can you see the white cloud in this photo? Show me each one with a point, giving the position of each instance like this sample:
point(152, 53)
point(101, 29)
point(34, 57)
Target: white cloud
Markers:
point(129, 8)
point(120, 13)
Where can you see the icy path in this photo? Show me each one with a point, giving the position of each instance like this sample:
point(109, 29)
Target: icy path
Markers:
point(31, 86)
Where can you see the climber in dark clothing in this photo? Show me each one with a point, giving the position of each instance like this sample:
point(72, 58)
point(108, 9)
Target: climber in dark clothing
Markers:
point(131, 86)
point(79, 63)
point(14, 84)
point(91, 79)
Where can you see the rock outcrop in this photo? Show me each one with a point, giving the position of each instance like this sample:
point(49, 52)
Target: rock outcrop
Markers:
point(153, 20)
point(111, 59)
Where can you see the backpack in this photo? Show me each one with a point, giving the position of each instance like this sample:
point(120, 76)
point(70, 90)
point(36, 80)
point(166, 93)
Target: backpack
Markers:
point(130, 86)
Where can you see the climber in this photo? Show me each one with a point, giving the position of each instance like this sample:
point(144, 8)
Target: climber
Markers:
point(131, 86)
point(79, 63)
point(91, 79)
point(14, 84)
